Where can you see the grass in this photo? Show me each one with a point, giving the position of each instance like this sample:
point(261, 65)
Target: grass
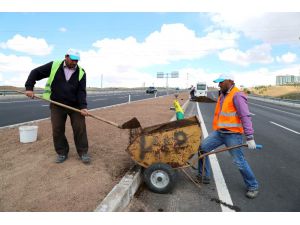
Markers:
point(293, 96)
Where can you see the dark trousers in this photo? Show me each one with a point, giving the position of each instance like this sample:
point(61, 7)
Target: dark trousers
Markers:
point(58, 120)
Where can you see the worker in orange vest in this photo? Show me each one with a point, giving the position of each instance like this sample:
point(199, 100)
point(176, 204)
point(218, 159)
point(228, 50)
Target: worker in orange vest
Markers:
point(231, 120)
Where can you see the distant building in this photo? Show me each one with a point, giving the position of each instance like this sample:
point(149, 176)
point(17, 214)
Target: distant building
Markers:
point(287, 79)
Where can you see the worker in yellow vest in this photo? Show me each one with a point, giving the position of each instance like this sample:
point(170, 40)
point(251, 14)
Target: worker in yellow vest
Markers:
point(66, 84)
point(231, 120)
point(178, 109)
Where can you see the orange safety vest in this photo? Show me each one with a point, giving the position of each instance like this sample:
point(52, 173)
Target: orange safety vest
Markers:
point(226, 116)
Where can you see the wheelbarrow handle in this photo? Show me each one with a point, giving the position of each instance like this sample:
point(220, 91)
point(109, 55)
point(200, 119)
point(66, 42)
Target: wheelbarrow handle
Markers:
point(258, 147)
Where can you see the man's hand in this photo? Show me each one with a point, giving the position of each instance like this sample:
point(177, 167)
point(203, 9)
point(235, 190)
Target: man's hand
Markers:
point(251, 144)
point(29, 94)
point(84, 112)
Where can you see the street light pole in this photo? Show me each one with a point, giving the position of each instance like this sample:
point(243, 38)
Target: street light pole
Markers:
point(173, 74)
point(167, 85)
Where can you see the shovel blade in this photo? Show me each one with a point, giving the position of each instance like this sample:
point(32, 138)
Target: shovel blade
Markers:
point(131, 124)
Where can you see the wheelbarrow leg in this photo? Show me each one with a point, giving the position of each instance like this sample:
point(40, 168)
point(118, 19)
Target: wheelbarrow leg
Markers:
point(203, 169)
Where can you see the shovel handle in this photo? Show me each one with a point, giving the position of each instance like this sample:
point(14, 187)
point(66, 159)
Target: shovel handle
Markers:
point(104, 120)
point(73, 109)
point(53, 102)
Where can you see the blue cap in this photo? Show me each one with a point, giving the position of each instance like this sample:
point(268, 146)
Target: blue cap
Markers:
point(223, 77)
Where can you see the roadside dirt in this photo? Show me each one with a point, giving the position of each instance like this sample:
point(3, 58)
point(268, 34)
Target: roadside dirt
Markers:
point(30, 180)
point(276, 91)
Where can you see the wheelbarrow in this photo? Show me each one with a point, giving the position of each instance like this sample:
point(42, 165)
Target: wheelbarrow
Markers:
point(162, 148)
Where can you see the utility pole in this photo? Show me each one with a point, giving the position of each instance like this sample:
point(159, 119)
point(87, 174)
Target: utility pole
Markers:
point(187, 80)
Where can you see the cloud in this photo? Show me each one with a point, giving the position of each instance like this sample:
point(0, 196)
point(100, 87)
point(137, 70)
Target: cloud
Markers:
point(258, 54)
point(287, 58)
point(29, 45)
point(15, 69)
point(124, 58)
point(63, 29)
point(273, 28)
point(172, 43)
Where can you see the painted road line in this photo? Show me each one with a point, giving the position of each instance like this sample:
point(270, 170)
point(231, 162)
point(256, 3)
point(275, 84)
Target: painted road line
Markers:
point(19, 101)
point(284, 127)
point(98, 99)
point(222, 189)
point(252, 114)
point(294, 114)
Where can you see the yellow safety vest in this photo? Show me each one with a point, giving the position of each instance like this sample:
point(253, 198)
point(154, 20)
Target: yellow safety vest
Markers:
point(54, 68)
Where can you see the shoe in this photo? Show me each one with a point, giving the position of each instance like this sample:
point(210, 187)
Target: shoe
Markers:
point(204, 180)
point(252, 194)
point(61, 158)
point(85, 158)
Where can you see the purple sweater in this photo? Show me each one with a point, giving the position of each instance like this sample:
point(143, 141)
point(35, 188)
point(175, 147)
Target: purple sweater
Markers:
point(241, 104)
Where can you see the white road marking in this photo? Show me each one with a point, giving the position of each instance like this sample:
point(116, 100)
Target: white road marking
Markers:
point(44, 105)
point(222, 189)
point(252, 114)
point(285, 127)
point(29, 100)
point(274, 109)
point(98, 99)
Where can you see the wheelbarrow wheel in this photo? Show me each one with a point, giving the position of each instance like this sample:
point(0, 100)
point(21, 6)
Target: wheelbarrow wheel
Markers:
point(160, 177)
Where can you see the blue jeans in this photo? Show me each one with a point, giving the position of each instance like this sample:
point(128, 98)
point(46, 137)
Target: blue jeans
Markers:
point(216, 139)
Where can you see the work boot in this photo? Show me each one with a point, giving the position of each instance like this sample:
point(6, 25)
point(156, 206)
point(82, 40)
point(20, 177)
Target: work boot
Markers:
point(252, 194)
point(85, 158)
point(204, 180)
point(61, 158)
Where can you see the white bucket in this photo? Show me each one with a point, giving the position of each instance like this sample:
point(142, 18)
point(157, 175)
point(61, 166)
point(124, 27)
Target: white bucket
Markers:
point(28, 133)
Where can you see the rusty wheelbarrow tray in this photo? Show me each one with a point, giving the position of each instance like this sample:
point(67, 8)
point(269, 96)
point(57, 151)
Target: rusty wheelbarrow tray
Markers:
point(164, 147)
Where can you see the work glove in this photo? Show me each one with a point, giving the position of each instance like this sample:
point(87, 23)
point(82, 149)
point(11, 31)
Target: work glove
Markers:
point(251, 144)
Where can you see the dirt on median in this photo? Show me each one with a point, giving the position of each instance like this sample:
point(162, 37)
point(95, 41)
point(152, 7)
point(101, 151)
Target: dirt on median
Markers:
point(30, 180)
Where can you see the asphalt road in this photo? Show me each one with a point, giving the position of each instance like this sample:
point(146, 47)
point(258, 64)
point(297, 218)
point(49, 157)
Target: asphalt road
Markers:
point(276, 167)
point(22, 109)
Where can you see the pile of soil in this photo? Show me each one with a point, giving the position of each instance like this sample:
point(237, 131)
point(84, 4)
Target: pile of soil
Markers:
point(30, 180)
point(203, 99)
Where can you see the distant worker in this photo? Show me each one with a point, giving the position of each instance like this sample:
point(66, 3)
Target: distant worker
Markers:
point(66, 84)
point(178, 109)
point(231, 120)
point(192, 92)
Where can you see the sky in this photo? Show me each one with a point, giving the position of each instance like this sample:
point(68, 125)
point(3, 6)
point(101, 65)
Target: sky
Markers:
point(128, 49)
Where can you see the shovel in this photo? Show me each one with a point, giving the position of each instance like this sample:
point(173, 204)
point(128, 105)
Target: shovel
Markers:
point(130, 124)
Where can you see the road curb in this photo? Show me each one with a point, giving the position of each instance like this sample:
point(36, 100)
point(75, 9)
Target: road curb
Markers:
point(120, 196)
